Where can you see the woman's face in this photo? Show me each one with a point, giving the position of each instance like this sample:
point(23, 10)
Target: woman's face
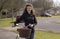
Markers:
point(29, 8)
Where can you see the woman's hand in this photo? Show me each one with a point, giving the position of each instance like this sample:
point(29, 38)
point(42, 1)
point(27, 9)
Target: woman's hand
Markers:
point(30, 26)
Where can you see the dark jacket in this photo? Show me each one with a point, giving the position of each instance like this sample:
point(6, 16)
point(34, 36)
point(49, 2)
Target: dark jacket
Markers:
point(27, 18)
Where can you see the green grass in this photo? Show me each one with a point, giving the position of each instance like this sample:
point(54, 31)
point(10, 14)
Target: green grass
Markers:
point(50, 17)
point(55, 17)
point(58, 21)
point(44, 35)
point(5, 22)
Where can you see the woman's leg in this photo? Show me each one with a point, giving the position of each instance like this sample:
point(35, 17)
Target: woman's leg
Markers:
point(32, 35)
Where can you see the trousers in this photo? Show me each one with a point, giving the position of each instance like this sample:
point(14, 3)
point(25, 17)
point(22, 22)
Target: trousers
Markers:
point(31, 35)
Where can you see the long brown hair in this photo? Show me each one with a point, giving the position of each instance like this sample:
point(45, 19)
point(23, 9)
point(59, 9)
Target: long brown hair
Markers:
point(25, 10)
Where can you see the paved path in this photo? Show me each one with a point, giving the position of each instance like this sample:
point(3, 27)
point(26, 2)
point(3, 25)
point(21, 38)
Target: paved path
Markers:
point(49, 24)
point(6, 34)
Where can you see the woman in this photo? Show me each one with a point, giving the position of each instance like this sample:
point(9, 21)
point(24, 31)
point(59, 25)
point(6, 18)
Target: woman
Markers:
point(29, 18)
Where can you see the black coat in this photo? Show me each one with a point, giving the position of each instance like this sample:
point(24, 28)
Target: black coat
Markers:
point(28, 19)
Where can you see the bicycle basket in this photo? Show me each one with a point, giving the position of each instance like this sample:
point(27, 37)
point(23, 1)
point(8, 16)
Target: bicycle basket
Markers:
point(24, 32)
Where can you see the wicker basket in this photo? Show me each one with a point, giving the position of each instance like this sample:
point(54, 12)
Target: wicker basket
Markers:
point(24, 32)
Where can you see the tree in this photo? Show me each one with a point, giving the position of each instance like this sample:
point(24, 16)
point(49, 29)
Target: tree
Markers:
point(2, 3)
point(45, 4)
point(11, 5)
point(8, 4)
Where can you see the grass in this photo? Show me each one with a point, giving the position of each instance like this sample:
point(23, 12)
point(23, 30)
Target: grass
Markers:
point(44, 35)
point(55, 17)
point(50, 17)
point(5, 22)
point(58, 21)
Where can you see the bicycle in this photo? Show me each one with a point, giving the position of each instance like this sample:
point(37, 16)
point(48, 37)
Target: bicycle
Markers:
point(24, 32)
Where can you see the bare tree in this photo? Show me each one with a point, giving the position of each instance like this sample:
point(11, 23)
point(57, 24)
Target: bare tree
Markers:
point(45, 4)
point(2, 3)
point(8, 4)
point(11, 5)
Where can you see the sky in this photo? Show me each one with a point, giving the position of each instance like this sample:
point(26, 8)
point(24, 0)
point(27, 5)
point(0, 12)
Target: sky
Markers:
point(57, 2)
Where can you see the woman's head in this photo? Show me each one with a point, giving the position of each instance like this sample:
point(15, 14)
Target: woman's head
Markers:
point(29, 9)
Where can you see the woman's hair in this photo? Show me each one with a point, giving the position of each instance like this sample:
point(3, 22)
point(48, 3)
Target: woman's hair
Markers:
point(25, 10)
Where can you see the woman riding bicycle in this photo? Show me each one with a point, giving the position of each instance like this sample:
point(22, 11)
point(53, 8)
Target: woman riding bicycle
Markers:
point(29, 18)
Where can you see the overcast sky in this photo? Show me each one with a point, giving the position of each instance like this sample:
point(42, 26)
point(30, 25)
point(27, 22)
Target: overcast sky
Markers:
point(57, 2)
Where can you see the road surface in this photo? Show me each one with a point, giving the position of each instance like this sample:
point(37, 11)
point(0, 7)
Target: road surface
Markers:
point(48, 24)
point(5, 34)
